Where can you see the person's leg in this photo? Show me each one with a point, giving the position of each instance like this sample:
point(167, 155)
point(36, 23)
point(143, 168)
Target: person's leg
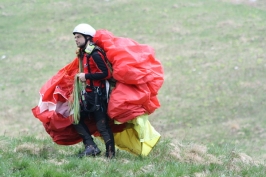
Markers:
point(103, 127)
point(84, 132)
point(90, 147)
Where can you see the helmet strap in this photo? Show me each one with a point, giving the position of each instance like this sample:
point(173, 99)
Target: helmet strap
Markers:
point(87, 39)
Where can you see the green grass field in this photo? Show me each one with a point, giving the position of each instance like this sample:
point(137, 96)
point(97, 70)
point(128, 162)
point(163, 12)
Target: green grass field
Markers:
point(212, 115)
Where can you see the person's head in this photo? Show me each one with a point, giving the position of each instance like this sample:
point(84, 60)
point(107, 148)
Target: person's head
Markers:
point(83, 33)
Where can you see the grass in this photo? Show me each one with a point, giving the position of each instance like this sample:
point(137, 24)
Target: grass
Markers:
point(213, 98)
point(35, 157)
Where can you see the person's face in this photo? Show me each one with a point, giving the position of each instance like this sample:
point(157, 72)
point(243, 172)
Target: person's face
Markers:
point(79, 39)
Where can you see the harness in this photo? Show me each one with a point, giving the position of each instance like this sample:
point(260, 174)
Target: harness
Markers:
point(98, 91)
point(110, 83)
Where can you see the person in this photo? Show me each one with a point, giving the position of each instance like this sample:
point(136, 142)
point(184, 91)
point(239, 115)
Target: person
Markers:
point(94, 75)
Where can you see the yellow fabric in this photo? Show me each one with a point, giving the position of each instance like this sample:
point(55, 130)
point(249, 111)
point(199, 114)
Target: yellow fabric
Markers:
point(139, 137)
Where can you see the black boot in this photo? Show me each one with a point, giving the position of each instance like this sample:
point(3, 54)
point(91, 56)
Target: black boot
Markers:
point(110, 150)
point(91, 150)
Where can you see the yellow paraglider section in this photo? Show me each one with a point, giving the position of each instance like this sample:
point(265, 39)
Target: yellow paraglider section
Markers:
point(139, 137)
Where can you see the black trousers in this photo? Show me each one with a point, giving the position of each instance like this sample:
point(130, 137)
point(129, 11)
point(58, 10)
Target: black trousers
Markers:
point(102, 124)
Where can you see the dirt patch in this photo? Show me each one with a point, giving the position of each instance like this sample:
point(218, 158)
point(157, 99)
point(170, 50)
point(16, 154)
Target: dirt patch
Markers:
point(198, 154)
point(193, 153)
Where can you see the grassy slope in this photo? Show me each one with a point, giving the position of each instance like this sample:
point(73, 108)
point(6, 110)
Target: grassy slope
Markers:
point(217, 91)
point(212, 54)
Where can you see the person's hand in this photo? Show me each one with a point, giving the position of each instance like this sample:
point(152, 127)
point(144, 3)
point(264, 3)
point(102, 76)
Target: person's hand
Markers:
point(82, 77)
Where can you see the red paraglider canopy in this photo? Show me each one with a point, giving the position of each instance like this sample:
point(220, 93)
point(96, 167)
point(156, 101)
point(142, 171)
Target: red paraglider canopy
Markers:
point(139, 74)
point(139, 77)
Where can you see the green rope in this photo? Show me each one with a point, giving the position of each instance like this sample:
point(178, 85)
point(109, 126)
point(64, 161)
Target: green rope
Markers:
point(77, 96)
point(75, 107)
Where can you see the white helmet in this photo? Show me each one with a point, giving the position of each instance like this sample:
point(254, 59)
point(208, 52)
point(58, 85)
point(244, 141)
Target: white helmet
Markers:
point(84, 29)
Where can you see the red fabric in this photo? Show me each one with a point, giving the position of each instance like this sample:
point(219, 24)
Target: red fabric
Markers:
point(61, 129)
point(139, 77)
point(139, 73)
point(60, 86)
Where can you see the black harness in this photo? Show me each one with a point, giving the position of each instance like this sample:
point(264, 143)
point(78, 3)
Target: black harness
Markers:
point(97, 91)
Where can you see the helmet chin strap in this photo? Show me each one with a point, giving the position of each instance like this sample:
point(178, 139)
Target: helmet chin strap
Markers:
point(86, 41)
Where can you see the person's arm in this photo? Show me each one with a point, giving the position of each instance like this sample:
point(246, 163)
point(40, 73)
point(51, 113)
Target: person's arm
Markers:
point(99, 61)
